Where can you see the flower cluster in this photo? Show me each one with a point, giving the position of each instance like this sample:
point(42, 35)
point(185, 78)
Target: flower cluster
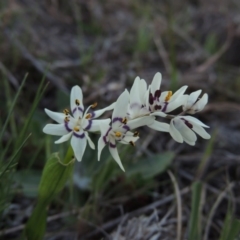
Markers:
point(139, 107)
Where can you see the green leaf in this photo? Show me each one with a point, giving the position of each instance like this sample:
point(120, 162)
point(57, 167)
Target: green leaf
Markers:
point(234, 230)
point(195, 218)
point(152, 166)
point(36, 225)
point(54, 177)
point(231, 226)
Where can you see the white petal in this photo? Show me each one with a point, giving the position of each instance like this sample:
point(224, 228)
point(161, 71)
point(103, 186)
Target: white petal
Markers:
point(159, 126)
point(58, 117)
point(159, 114)
point(200, 104)
point(79, 146)
point(128, 139)
point(194, 120)
point(141, 121)
point(114, 152)
point(99, 112)
point(55, 129)
point(201, 131)
point(189, 142)
point(76, 94)
point(120, 109)
point(134, 92)
point(142, 90)
point(101, 145)
point(173, 104)
point(187, 134)
point(156, 83)
point(95, 126)
point(90, 142)
point(64, 138)
point(178, 93)
point(192, 99)
point(175, 133)
point(104, 127)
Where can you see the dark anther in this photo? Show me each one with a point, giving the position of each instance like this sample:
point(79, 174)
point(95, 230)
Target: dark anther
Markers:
point(124, 120)
point(136, 134)
point(132, 143)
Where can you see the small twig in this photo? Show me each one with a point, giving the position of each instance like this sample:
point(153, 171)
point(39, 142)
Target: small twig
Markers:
point(137, 212)
point(49, 219)
point(179, 205)
point(214, 208)
point(210, 61)
point(163, 53)
point(37, 64)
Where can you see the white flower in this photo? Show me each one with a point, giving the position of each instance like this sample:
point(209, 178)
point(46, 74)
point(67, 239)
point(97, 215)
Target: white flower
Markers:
point(136, 106)
point(183, 128)
point(119, 130)
point(144, 101)
point(77, 125)
point(194, 104)
point(170, 101)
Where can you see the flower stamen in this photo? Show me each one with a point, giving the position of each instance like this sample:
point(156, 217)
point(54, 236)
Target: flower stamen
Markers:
point(132, 143)
point(76, 129)
point(124, 120)
point(94, 105)
point(169, 95)
point(66, 119)
point(118, 134)
point(136, 134)
point(66, 111)
point(88, 116)
point(77, 102)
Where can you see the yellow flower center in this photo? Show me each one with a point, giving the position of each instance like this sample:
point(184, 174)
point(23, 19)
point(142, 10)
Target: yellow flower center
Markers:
point(76, 129)
point(118, 134)
point(169, 95)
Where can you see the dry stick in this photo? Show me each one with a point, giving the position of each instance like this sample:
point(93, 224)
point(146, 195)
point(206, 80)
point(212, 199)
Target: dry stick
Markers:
point(9, 75)
point(214, 208)
point(163, 53)
point(49, 219)
point(139, 211)
point(27, 55)
point(210, 61)
point(179, 205)
point(189, 40)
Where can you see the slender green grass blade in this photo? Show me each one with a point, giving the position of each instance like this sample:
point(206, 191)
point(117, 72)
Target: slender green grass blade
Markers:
point(38, 97)
point(12, 107)
point(9, 101)
point(234, 230)
point(195, 218)
point(13, 157)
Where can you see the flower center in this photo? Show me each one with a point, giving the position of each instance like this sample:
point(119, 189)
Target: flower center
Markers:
point(118, 134)
point(77, 126)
